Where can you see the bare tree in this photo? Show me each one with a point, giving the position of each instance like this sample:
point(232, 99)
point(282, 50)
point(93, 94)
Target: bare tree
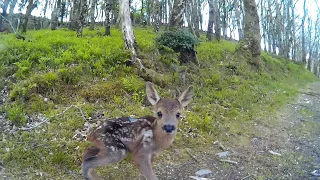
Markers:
point(211, 20)
point(127, 32)
point(92, 14)
point(238, 18)
point(107, 14)
point(252, 39)
point(30, 7)
point(156, 15)
point(176, 18)
point(303, 43)
point(217, 28)
point(55, 15)
point(82, 12)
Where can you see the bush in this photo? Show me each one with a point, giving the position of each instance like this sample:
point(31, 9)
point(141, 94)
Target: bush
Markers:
point(180, 41)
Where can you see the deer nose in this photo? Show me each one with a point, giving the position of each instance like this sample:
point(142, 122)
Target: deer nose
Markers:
point(168, 128)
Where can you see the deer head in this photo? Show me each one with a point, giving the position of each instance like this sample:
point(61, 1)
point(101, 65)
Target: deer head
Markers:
point(167, 111)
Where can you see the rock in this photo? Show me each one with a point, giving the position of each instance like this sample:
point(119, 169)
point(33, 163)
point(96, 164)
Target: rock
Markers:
point(223, 154)
point(204, 173)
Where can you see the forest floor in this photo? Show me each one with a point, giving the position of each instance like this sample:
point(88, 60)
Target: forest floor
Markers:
point(286, 146)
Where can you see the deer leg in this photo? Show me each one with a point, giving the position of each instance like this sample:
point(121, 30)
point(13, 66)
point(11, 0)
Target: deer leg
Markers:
point(94, 158)
point(143, 162)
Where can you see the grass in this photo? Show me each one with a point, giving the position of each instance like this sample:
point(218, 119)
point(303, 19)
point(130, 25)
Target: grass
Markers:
point(88, 72)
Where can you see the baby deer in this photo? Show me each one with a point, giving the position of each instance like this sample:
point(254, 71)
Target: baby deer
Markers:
point(144, 137)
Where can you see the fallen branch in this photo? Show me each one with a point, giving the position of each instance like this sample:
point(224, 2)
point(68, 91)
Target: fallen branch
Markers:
point(228, 161)
point(14, 31)
point(59, 114)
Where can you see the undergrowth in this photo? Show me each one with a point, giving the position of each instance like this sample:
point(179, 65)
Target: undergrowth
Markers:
point(53, 69)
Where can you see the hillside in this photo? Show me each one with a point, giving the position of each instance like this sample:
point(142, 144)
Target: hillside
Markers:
point(43, 76)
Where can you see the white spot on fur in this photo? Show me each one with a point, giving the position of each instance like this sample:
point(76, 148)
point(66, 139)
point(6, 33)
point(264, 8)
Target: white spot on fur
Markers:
point(147, 137)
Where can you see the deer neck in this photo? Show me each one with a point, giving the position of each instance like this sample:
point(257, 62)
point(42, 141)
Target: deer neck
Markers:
point(161, 139)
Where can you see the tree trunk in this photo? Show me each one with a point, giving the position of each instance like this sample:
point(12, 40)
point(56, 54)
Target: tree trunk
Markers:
point(279, 29)
point(238, 18)
point(176, 18)
point(188, 13)
point(211, 20)
point(92, 13)
point(75, 14)
point(217, 28)
point(310, 63)
point(293, 33)
point(303, 43)
point(156, 15)
point(195, 18)
point(30, 7)
point(11, 9)
point(82, 14)
point(107, 25)
point(63, 11)
point(224, 19)
point(126, 27)
point(252, 39)
point(55, 15)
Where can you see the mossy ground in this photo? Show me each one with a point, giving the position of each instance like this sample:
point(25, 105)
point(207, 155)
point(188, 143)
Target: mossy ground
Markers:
point(53, 70)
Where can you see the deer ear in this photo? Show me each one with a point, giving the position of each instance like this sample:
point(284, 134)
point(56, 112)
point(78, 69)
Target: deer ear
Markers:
point(186, 96)
point(152, 94)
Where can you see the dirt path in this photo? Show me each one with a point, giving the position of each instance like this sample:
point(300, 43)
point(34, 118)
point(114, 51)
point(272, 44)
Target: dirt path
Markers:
point(284, 146)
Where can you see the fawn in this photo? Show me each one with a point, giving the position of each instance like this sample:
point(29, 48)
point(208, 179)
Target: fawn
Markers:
point(144, 137)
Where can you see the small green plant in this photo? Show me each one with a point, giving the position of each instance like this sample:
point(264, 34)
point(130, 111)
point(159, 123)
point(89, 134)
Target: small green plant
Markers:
point(16, 114)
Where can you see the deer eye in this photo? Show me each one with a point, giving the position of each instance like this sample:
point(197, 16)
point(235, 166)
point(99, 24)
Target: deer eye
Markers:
point(178, 115)
point(159, 114)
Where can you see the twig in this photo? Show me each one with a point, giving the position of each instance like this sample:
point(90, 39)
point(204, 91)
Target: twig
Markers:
point(30, 128)
point(274, 153)
point(46, 120)
point(194, 158)
point(82, 115)
point(228, 161)
point(246, 177)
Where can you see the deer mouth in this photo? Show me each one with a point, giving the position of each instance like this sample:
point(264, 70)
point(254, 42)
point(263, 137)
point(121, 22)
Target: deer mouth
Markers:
point(168, 128)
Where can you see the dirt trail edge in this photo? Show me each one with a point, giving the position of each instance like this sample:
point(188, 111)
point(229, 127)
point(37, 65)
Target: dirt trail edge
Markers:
point(283, 146)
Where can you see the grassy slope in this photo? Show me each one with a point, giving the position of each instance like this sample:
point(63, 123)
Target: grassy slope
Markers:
point(230, 95)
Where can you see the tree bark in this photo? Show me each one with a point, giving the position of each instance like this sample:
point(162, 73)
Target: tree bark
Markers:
point(224, 19)
point(30, 7)
point(250, 45)
point(195, 18)
point(211, 20)
point(303, 43)
point(107, 25)
point(217, 28)
point(310, 63)
point(188, 12)
point(156, 15)
point(127, 30)
point(82, 14)
point(55, 15)
point(238, 18)
point(176, 18)
point(92, 13)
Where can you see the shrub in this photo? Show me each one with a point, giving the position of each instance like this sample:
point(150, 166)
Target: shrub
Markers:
point(180, 41)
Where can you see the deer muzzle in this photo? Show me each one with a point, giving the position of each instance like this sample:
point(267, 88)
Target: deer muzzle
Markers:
point(168, 128)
